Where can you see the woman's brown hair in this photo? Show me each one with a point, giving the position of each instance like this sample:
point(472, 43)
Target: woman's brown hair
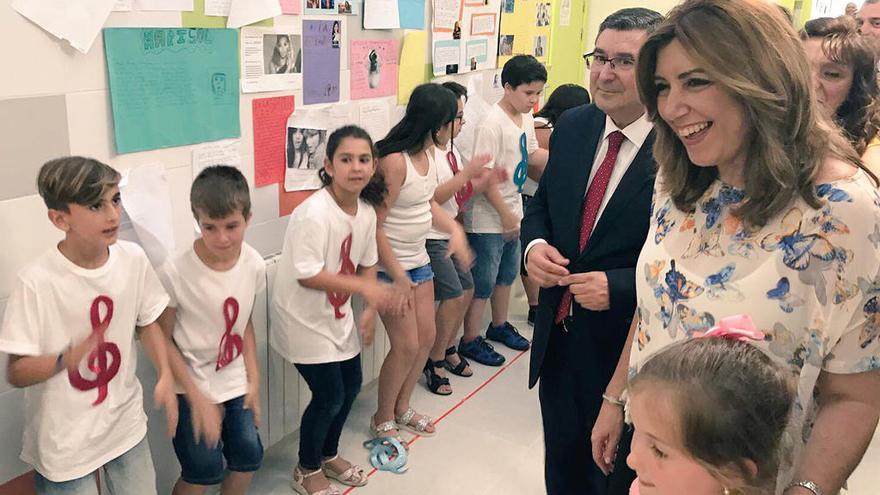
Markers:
point(858, 115)
point(745, 47)
point(732, 402)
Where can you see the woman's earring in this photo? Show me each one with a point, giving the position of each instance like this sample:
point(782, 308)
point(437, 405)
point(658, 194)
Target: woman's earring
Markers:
point(726, 491)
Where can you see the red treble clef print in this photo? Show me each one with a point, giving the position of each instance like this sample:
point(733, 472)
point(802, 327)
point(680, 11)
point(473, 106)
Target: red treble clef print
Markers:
point(338, 299)
point(98, 359)
point(231, 343)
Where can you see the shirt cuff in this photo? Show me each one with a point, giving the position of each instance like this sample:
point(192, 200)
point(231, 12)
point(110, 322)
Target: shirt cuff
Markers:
point(529, 248)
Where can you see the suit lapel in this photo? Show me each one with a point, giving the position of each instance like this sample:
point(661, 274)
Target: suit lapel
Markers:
point(640, 171)
point(575, 185)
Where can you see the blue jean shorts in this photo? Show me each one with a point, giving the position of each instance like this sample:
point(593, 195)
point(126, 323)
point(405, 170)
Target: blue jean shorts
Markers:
point(239, 444)
point(132, 472)
point(417, 276)
point(497, 262)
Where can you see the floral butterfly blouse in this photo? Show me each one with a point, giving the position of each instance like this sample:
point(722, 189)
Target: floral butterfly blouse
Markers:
point(810, 279)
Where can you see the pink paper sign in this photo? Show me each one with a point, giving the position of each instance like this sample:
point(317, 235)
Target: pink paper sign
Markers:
point(291, 7)
point(374, 68)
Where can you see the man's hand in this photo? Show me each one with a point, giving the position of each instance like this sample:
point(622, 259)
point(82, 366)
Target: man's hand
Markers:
point(590, 289)
point(606, 436)
point(545, 265)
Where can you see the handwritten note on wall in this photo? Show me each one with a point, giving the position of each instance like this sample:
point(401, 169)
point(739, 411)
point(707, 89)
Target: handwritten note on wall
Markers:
point(374, 66)
point(321, 47)
point(171, 87)
point(270, 124)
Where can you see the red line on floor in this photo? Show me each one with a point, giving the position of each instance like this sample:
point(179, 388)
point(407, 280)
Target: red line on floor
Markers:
point(447, 413)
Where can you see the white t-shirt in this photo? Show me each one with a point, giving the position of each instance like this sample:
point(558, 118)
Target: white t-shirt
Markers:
point(306, 327)
point(443, 173)
point(206, 302)
point(70, 432)
point(500, 137)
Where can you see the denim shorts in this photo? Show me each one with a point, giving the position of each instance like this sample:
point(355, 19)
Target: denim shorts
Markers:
point(450, 281)
point(239, 444)
point(417, 276)
point(132, 472)
point(497, 262)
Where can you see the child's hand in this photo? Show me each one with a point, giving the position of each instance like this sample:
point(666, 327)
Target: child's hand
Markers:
point(252, 401)
point(492, 178)
point(509, 225)
point(207, 419)
point(402, 300)
point(460, 249)
point(165, 398)
point(378, 295)
point(367, 326)
point(477, 166)
point(73, 356)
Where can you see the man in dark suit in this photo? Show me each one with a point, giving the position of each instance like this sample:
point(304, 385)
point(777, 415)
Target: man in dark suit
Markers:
point(581, 236)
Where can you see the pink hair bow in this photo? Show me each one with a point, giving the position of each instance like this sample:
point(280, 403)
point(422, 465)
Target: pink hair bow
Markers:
point(736, 327)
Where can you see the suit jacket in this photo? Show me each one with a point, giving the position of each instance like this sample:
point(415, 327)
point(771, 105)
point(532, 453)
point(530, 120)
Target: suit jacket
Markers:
point(554, 214)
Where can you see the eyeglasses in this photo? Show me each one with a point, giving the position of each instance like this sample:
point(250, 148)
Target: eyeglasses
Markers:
point(596, 61)
point(464, 194)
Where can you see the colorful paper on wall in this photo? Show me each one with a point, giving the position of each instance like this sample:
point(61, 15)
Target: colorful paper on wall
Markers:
point(321, 53)
point(171, 87)
point(394, 14)
point(271, 59)
point(77, 21)
point(412, 14)
point(198, 18)
point(291, 7)
point(470, 43)
point(411, 70)
point(270, 118)
point(374, 68)
point(527, 29)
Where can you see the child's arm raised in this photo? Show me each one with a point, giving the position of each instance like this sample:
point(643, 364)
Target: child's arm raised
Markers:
point(252, 369)
point(153, 341)
point(206, 417)
point(474, 169)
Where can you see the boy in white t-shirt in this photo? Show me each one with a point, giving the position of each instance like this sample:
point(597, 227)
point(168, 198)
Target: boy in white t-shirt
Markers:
point(508, 134)
point(69, 330)
point(212, 285)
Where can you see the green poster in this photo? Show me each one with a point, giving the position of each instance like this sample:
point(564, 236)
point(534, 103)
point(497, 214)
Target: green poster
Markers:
point(172, 86)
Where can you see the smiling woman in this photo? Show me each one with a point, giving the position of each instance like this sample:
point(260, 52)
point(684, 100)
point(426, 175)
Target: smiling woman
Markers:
point(760, 203)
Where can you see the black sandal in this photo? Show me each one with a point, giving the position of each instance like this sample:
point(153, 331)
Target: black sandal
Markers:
point(462, 363)
point(433, 380)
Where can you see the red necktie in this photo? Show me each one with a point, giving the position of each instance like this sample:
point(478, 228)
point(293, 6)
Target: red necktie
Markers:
point(592, 202)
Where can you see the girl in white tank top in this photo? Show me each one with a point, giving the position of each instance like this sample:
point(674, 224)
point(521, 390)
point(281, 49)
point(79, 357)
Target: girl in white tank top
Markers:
point(406, 161)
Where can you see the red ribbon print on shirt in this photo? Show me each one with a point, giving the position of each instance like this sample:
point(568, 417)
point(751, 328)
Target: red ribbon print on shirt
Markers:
point(98, 358)
point(231, 343)
point(338, 299)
